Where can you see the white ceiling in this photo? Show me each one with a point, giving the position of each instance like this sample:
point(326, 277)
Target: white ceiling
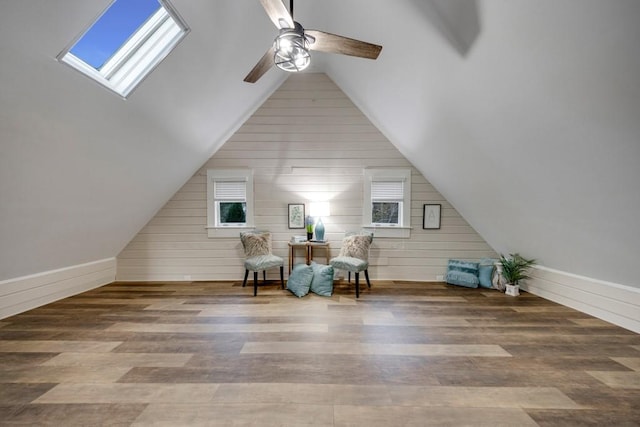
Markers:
point(524, 114)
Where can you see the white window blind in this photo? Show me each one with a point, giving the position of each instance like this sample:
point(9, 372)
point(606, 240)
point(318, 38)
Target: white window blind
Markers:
point(144, 47)
point(230, 190)
point(387, 190)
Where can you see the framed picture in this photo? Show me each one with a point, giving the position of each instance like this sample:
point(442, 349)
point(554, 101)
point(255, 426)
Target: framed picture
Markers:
point(431, 216)
point(296, 215)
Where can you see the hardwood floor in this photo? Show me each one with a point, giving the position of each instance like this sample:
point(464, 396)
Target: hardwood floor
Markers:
point(404, 354)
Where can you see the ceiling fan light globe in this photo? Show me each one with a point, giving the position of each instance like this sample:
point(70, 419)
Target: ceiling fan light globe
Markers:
point(285, 44)
point(291, 51)
point(293, 63)
point(302, 62)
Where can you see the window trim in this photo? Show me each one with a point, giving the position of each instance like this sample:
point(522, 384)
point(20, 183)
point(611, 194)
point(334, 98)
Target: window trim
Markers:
point(138, 57)
point(213, 227)
point(403, 229)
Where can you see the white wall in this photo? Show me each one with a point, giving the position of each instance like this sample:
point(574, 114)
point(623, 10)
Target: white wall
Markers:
point(533, 134)
point(307, 142)
point(82, 170)
point(614, 303)
point(27, 292)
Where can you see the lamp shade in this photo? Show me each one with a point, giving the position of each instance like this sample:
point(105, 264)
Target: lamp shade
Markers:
point(319, 209)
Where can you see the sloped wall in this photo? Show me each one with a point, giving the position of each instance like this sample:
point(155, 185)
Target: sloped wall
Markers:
point(306, 142)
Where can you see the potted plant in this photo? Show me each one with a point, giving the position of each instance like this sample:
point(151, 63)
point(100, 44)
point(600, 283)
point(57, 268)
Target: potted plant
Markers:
point(514, 269)
point(308, 223)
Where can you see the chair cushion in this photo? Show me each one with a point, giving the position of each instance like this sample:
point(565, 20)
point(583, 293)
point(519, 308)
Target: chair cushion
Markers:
point(263, 262)
point(322, 283)
point(256, 243)
point(356, 246)
point(299, 281)
point(349, 263)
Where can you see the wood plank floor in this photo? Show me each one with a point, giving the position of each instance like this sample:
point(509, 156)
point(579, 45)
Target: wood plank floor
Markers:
point(404, 354)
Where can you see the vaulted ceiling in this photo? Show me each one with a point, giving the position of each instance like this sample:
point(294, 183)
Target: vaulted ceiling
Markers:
point(524, 114)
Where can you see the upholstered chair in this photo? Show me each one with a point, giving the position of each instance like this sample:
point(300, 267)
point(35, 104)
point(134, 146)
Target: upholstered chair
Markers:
point(259, 257)
point(354, 256)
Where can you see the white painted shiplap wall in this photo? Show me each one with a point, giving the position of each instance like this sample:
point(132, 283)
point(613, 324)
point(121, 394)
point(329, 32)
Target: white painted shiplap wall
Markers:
point(24, 293)
point(617, 304)
point(306, 142)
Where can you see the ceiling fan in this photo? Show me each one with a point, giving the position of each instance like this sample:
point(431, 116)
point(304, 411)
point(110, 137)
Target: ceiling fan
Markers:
point(290, 50)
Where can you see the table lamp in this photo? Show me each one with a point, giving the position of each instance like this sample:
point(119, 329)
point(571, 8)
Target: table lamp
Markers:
point(318, 210)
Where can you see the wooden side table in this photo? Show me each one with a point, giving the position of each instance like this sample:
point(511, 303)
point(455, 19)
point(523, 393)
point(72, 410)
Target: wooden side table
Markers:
point(308, 247)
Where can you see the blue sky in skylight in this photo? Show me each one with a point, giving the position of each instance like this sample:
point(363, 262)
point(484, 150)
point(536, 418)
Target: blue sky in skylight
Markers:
point(112, 30)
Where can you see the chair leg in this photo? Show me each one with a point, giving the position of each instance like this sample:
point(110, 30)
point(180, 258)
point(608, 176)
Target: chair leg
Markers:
point(264, 275)
point(282, 276)
point(255, 283)
point(366, 274)
point(246, 274)
point(357, 285)
point(349, 275)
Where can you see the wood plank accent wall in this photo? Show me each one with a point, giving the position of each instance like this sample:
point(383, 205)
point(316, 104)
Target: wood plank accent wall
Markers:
point(307, 142)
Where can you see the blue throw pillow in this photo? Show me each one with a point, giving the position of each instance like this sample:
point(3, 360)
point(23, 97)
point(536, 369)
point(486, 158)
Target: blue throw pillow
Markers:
point(464, 266)
point(485, 272)
point(322, 283)
point(462, 278)
point(299, 281)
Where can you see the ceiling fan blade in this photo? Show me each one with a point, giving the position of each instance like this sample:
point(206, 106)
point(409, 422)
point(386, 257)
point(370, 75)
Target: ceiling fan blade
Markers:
point(278, 13)
point(261, 67)
point(332, 43)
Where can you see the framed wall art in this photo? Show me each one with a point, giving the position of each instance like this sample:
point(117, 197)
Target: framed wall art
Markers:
point(296, 215)
point(431, 216)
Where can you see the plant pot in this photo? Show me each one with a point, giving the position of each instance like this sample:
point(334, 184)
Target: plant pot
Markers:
point(309, 236)
point(513, 290)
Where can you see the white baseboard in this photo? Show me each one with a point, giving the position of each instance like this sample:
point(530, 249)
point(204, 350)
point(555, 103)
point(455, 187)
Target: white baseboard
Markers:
point(24, 293)
point(614, 303)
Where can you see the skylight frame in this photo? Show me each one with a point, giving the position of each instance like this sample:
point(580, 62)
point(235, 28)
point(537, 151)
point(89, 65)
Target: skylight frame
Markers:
point(138, 56)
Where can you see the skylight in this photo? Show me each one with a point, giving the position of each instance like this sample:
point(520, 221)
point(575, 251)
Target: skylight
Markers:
point(126, 43)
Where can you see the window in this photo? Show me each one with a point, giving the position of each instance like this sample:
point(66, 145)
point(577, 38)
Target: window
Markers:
point(387, 201)
point(126, 43)
point(229, 201)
